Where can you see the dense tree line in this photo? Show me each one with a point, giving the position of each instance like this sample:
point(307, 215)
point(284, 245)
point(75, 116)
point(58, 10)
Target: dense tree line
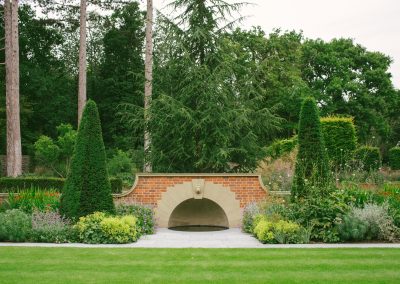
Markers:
point(220, 94)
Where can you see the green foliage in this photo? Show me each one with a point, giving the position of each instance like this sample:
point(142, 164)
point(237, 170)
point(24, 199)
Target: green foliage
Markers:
point(368, 157)
point(34, 199)
point(312, 163)
point(97, 228)
point(249, 214)
point(394, 158)
point(278, 231)
point(87, 188)
point(281, 147)
point(352, 229)
point(145, 220)
point(15, 226)
point(8, 184)
point(50, 227)
point(340, 139)
point(56, 155)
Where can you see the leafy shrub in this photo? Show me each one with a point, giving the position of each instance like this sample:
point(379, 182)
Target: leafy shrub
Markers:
point(369, 158)
point(340, 139)
point(394, 158)
point(56, 155)
point(8, 184)
point(280, 231)
point(50, 227)
point(281, 147)
point(249, 214)
point(87, 188)
point(372, 222)
point(15, 226)
point(121, 162)
point(97, 228)
point(145, 221)
point(29, 200)
point(312, 160)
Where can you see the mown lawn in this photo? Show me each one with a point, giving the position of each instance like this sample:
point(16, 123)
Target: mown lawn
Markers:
point(76, 265)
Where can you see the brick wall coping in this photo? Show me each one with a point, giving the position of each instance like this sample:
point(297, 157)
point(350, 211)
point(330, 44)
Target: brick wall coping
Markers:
point(187, 175)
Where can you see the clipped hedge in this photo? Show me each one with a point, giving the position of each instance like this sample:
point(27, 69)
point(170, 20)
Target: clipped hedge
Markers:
point(368, 157)
point(394, 158)
point(340, 139)
point(281, 147)
point(8, 184)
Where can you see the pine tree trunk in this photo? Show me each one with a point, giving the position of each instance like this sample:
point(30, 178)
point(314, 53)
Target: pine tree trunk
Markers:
point(82, 61)
point(148, 84)
point(14, 152)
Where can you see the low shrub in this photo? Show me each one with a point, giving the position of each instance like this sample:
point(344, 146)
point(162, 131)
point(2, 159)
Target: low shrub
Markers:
point(368, 157)
point(15, 226)
point(98, 228)
point(145, 221)
point(29, 200)
point(249, 214)
point(8, 184)
point(279, 231)
point(372, 222)
point(394, 158)
point(50, 227)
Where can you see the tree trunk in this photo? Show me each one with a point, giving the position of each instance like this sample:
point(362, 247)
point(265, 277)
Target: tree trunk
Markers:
point(148, 84)
point(14, 152)
point(82, 61)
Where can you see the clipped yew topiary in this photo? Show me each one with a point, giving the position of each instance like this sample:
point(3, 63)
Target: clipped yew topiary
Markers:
point(87, 188)
point(340, 139)
point(312, 168)
point(368, 157)
point(394, 158)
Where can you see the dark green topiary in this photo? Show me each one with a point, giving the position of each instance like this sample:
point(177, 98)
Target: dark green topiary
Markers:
point(87, 188)
point(394, 158)
point(340, 139)
point(368, 157)
point(312, 168)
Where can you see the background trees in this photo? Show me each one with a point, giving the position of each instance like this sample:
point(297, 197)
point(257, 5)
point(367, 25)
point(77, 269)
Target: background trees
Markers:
point(220, 93)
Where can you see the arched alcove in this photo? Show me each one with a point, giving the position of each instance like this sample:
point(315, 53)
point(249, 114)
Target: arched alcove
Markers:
point(198, 212)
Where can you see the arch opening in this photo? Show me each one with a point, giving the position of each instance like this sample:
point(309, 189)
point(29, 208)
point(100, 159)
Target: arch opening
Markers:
point(198, 215)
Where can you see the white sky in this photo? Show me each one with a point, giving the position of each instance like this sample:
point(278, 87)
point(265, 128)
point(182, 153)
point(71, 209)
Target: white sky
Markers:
point(374, 24)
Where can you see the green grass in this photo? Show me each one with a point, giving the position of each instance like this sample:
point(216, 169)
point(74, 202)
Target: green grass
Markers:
point(75, 265)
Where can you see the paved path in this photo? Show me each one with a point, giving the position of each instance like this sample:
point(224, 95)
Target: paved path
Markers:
point(232, 238)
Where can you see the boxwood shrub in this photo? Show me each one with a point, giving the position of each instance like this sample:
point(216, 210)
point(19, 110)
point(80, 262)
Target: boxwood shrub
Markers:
point(340, 139)
point(8, 184)
point(368, 157)
point(394, 158)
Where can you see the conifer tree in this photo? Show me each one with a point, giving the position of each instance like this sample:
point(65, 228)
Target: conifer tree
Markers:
point(312, 168)
point(87, 188)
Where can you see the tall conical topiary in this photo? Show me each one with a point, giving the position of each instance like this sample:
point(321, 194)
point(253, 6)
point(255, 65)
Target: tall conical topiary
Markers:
point(312, 167)
point(87, 188)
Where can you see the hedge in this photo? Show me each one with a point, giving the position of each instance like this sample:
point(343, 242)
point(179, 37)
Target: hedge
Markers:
point(340, 139)
point(8, 184)
point(394, 158)
point(281, 147)
point(368, 157)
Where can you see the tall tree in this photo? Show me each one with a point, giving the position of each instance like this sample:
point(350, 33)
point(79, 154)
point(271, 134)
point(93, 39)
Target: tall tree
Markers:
point(82, 60)
point(14, 151)
point(148, 87)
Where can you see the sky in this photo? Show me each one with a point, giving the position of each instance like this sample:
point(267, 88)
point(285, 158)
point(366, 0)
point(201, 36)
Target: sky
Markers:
point(375, 24)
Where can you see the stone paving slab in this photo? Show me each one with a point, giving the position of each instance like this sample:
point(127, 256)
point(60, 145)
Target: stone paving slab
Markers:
point(232, 238)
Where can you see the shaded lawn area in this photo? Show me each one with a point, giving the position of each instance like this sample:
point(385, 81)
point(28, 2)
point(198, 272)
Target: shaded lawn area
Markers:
point(126, 265)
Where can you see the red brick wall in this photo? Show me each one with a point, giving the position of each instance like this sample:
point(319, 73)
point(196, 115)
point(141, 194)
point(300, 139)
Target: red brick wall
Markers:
point(149, 188)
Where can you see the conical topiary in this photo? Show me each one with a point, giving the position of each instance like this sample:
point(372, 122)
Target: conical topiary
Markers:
point(87, 188)
point(312, 168)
